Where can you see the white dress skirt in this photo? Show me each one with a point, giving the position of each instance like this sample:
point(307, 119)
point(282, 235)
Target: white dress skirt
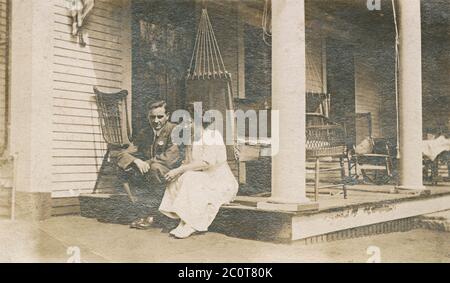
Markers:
point(196, 196)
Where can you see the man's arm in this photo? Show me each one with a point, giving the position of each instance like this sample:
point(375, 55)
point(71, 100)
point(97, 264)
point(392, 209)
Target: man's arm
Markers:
point(134, 153)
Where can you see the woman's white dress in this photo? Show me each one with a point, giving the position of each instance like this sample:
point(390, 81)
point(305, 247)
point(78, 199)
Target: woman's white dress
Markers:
point(197, 196)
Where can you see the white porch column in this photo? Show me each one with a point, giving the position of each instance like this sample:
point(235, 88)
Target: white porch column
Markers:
point(410, 95)
point(31, 105)
point(288, 97)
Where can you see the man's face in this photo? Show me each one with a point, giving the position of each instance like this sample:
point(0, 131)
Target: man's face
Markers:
point(158, 118)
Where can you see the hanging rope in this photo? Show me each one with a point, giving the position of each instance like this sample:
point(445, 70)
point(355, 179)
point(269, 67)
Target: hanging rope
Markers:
point(206, 61)
point(315, 81)
point(267, 23)
point(397, 67)
point(207, 79)
point(316, 99)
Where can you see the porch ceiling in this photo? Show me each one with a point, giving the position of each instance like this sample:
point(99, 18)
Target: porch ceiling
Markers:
point(434, 12)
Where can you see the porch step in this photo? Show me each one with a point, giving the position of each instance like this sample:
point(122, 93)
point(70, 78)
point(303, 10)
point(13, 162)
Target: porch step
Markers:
point(349, 220)
point(240, 221)
point(65, 206)
point(439, 221)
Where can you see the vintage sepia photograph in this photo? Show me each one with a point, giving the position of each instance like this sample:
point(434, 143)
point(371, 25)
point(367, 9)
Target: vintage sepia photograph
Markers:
point(225, 131)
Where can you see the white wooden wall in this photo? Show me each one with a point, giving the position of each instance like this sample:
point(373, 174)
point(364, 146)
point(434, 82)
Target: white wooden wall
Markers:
point(368, 94)
point(314, 62)
point(78, 147)
point(3, 69)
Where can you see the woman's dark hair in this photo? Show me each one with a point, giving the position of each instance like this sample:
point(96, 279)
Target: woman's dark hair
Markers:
point(190, 109)
point(206, 124)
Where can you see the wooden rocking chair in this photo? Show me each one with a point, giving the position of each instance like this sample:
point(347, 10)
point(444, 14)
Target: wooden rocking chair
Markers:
point(372, 157)
point(114, 123)
point(326, 141)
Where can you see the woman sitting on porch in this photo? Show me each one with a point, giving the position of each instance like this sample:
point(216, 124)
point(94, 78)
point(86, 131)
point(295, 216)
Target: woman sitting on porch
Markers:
point(200, 186)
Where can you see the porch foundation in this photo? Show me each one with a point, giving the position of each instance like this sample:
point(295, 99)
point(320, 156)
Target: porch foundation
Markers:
point(389, 213)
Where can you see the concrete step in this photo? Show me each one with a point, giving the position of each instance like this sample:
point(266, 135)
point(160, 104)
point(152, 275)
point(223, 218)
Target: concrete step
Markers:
point(439, 221)
point(65, 206)
point(247, 222)
point(350, 220)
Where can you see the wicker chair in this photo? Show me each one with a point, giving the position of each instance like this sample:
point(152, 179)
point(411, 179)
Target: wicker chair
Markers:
point(114, 123)
point(326, 140)
point(431, 168)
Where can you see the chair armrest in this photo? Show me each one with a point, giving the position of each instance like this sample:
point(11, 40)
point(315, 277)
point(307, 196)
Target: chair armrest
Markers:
point(373, 155)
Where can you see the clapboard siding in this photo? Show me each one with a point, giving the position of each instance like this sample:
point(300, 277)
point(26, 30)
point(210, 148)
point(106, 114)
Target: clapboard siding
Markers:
point(368, 93)
point(4, 41)
point(78, 147)
point(314, 62)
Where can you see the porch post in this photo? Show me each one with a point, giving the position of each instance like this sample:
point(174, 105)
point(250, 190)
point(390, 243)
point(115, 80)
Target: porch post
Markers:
point(31, 105)
point(288, 97)
point(410, 96)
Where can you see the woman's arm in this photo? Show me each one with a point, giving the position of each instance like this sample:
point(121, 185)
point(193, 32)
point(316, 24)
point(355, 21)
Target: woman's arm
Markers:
point(192, 166)
point(212, 152)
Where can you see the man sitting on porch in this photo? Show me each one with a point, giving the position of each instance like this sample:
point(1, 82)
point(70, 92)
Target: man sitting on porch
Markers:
point(151, 156)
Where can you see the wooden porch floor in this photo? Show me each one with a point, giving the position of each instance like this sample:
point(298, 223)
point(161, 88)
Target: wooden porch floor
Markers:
point(357, 195)
point(364, 194)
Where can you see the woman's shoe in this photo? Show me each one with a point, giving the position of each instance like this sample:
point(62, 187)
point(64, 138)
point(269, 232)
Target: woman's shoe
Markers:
point(185, 232)
point(177, 230)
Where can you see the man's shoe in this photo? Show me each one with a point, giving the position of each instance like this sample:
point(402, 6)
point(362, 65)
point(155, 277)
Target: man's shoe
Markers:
point(142, 223)
point(136, 222)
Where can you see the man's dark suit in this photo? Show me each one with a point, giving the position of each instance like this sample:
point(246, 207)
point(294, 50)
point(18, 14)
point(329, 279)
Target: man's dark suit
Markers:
point(158, 151)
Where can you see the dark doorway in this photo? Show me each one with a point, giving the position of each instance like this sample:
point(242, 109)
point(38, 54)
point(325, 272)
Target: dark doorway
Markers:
point(163, 39)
